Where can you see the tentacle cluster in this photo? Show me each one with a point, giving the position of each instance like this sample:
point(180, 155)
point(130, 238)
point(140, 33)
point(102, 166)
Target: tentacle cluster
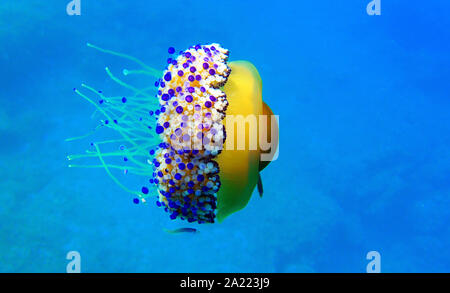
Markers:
point(132, 120)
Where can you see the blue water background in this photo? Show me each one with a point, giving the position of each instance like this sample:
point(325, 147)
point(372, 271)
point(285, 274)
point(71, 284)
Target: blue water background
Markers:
point(364, 136)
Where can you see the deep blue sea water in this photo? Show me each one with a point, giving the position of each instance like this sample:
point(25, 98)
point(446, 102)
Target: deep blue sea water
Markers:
point(364, 136)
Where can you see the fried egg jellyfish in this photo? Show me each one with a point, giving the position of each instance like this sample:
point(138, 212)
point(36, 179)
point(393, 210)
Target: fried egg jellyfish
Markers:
point(200, 135)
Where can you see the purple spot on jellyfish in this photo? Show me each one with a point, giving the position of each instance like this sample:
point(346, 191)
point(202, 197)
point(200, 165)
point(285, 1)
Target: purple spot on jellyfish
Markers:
point(159, 129)
point(168, 76)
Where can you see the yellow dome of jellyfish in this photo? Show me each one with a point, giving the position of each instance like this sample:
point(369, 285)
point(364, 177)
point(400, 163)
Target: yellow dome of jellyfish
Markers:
point(209, 139)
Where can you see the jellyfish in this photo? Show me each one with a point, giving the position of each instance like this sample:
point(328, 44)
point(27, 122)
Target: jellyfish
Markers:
point(180, 133)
